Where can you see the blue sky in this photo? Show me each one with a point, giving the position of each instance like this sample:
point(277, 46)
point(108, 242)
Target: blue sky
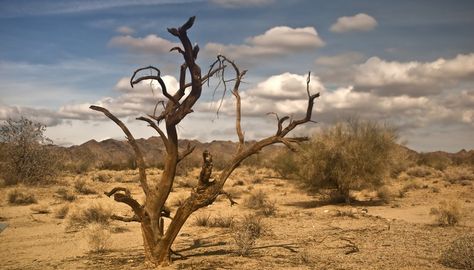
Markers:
point(410, 63)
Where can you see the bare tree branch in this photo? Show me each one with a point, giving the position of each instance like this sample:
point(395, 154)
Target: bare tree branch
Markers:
point(160, 132)
point(138, 154)
point(189, 149)
point(229, 197)
point(206, 169)
point(152, 77)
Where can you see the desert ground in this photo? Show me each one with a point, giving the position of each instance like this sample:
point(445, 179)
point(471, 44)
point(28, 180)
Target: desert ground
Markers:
point(303, 231)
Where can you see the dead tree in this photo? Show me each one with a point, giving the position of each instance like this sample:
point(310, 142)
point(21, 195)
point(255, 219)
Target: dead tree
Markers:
point(158, 241)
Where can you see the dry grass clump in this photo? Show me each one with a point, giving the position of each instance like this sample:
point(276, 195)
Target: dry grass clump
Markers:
point(420, 171)
point(98, 238)
point(61, 212)
point(246, 232)
point(219, 222)
point(258, 200)
point(21, 197)
point(65, 194)
point(40, 209)
point(384, 194)
point(81, 186)
point(448, 213)
point(95, 213)
point(459, 174)
point(102, 177)
point(409, 185)
point(460, 253)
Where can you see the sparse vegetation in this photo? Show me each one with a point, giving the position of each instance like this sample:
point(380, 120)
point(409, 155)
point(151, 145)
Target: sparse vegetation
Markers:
point(27, 156)
point(61, 212)
point(82, 216)
point(207, 221)
point(21, 197)
point(460, 253)
point(65, 194)
point(81, 185)
point(259, 201)
point(98, 238)
point(449, 213)
point(420, 171)
point(349, 156)
point(246, 232)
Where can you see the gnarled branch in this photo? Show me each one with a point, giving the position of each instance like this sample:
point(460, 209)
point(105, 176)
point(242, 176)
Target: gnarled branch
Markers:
point(189, 149)
point(138, 153)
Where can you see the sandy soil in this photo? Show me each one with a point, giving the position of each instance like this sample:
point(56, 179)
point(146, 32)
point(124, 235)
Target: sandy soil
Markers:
point(305, 233)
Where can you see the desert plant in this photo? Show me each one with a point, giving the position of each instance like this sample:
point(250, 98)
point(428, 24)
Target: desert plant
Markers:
point(61, 212)
point(27, 153)
point(98, 238)
point(420, 171)
point(245, 233)
point(21, 197)
point(81, 185)
point(177, 106)
point(449, 213)
point(222, 222)
point(65, 194)
point(384, 194)
point(435, 160)
point(82, 216)
point(258, 200)
point(459, 174)
point(285, 164)
point(353, 155)
point(202, 220)
point(460, 253)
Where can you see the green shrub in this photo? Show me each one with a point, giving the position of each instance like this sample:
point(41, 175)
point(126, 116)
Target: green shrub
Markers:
point(354, 155)
point(460, 254)
point(27, 154)
point(19, 197)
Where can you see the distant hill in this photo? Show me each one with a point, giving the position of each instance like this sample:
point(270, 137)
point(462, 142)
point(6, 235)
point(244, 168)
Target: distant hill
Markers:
point(114, 154)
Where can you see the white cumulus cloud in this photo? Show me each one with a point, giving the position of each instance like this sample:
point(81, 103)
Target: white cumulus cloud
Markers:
point(358, 22)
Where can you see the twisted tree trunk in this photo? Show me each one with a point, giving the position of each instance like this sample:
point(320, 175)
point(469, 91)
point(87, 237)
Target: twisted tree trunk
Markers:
point(156, 240)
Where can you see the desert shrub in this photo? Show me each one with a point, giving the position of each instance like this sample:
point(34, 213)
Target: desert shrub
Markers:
point(245, 233)
point(420, 171)
point(21, 197)
point(222, 222)
point(27, 154)
point(402, 159)
point(65, 194)
point(202, 220)
point(95, 213)
point(458, 174)
point(238, 183)
point(40, 209)
point(384, 194)
point(349, 156)
point(207, 221)
point(285, 164)
point(81, 186)
point(435, 160)
point(448, 213)
point(98, 238)
point(61, 212)
point(102, 177)
point(258, 200)
point(460, 253)
point(409, 185)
